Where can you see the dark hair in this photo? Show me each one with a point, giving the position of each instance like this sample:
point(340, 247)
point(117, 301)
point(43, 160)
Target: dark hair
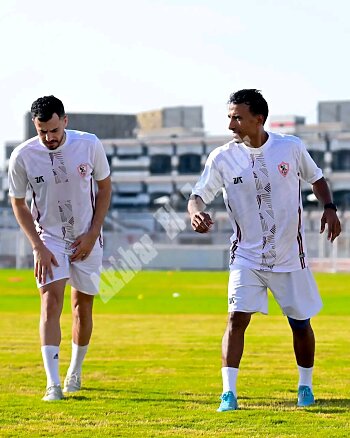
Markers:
point(253, 98)
point(44, 108)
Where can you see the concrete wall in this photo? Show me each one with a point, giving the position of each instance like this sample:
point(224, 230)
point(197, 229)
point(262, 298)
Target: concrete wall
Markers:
point(336, 111)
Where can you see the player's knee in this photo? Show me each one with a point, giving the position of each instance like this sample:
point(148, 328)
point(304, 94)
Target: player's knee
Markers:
point(51, 307)
point(298, 324)
point(78, 311)
point(238, 320)
point(82, 313)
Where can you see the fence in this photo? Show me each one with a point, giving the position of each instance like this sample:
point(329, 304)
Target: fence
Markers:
point(178, 249)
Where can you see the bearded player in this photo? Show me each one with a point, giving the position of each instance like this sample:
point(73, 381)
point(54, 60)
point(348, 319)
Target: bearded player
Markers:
point(61, 168)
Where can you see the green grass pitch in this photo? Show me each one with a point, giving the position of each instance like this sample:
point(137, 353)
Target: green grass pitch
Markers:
point(153, 367)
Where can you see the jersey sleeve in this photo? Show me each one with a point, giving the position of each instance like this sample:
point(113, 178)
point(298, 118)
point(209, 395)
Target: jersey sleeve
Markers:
point(101, 166)
point(17, 177)
point(309, 171)
point(209, 183)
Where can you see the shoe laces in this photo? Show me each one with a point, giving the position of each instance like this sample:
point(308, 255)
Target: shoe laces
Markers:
point(305, 391)
point(52, 387)
point(75, 377)
point(226, 396)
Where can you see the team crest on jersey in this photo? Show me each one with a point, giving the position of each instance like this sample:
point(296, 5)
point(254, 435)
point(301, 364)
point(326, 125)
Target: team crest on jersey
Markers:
point(283, 168)
point(82, 169)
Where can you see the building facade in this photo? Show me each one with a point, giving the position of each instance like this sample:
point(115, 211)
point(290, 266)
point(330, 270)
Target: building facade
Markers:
point(156, 156)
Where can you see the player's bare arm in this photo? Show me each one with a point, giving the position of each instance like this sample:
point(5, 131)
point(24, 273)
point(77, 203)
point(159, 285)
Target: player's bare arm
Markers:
point(85, 243)
point(200, 220)
point(329, 217)
point(43, 258)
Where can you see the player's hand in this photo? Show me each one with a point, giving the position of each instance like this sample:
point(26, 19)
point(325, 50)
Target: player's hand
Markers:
point(82, 247)
point(201, 222)
point(43, 261)
point(330, 218)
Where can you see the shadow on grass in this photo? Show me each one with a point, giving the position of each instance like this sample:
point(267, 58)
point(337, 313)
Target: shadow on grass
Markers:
point(334, 405)
point(330, 406)
point(95, 389)
point(77, 397)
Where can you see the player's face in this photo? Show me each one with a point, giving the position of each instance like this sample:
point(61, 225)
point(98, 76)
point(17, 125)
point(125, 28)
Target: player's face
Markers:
point(51, 133)
point(244, 125)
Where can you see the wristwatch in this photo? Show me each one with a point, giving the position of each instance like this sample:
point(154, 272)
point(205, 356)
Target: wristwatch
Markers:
point(331, 206)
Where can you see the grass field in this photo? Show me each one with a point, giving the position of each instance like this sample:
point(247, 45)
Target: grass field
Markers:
point(153, 368)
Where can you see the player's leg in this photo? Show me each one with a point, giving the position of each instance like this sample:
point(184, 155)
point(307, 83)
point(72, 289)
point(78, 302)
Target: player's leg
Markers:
point(303, 342)
point(246, 295)
point(83, 291)
point(297, 294)
point(52, 296)
point(304, 349)
point(232, 351)
point(82, 305)
point(233, 339)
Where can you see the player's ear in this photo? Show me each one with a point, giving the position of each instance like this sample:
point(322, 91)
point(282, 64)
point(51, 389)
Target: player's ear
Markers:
point(260, 119)
point(65, 119)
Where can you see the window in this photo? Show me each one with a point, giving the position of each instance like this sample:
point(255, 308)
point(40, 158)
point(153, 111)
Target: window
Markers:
point(189, 163)
point(160, 164)
point(341, 160)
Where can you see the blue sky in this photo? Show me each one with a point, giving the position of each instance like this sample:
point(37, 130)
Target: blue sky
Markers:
point(131, 56)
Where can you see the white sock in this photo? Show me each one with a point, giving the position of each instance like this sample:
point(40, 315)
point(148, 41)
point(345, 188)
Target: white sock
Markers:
point(305, 376)
point(50, 354)
point(229, 379)
point(78, 354)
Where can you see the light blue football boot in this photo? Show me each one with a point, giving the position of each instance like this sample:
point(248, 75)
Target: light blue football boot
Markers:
point(228, 402)
point(305, 396)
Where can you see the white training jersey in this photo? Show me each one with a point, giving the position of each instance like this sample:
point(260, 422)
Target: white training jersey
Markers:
point(61, 181)
point(262, 194)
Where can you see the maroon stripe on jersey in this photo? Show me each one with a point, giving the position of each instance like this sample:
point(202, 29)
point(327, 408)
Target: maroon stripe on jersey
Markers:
point(37, 210)
point(301, 251)
point(239, 233)
point(234, 245)
point(40, 229)
point(299, 237)
point(233, 248)
point(92, 198)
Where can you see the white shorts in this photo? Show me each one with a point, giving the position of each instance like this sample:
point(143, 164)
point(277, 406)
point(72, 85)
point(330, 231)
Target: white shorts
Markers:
point(296, 292)
point(81, 274)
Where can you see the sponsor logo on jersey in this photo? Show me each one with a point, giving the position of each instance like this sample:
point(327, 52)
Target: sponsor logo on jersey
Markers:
point(237, 180)
point(283, 168)
point(39, 179)
point(82, 169)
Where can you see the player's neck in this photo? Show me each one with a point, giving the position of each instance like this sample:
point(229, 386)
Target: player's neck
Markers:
point(259, 140)
point(63, 139)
